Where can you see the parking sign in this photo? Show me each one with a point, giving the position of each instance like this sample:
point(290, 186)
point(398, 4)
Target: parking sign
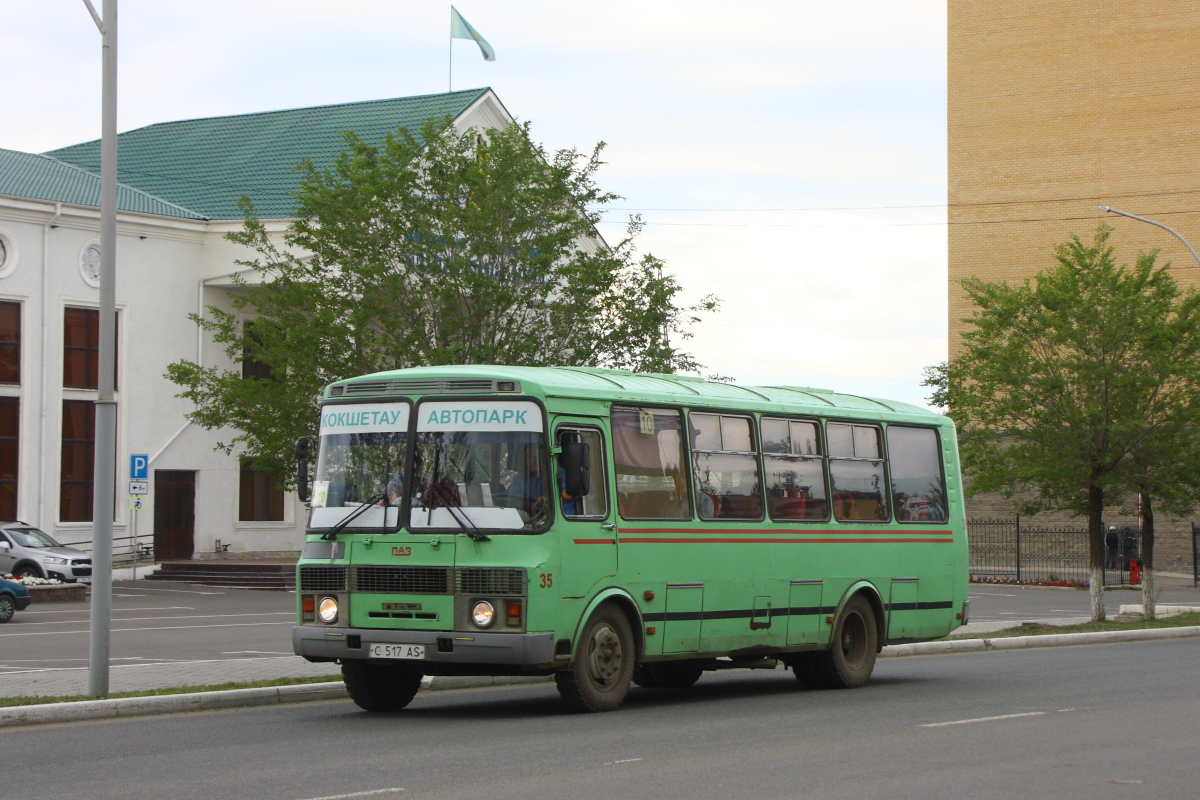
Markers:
point(139, 467)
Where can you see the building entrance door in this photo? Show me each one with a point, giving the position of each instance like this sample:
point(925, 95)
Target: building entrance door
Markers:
point(174, 514)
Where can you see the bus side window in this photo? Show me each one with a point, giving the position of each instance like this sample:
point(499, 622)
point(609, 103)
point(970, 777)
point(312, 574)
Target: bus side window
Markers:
point(856, 473)
point(725, 466)
point(918, 485)
point(649, 451)
point(795, 472)
point(595, 502)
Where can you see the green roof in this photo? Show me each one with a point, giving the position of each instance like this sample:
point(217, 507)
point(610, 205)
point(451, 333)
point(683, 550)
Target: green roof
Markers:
point(37, 177)
point(620, 385)
point(208, 164)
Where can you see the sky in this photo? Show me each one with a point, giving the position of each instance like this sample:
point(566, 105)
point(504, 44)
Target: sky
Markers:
point(788, 157)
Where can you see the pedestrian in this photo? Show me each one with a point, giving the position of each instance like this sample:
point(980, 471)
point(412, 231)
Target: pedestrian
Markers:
point(1110, 548)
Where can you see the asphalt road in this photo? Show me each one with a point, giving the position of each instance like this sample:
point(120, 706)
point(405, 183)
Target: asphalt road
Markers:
point(154, 621)
point(1105, 721)
point(229, 634)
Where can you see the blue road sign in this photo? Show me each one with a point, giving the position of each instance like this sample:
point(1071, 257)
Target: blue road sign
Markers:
point(139, 467)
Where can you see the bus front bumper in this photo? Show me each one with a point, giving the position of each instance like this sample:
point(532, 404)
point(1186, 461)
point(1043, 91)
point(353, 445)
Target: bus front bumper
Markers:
point(516, 649)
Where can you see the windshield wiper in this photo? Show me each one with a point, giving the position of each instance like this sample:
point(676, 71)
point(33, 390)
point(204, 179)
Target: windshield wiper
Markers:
point(451, 505)
point(332, 533)
point(446, 495)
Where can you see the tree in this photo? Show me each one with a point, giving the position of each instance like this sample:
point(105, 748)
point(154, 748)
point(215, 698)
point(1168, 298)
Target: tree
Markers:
point(434, 247)
point(1164, 467)
point(1070, 388)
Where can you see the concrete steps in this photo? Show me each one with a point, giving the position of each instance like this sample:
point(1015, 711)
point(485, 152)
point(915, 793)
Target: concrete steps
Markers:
point(269, 576)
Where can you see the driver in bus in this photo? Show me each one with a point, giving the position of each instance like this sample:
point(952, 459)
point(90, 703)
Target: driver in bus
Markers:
point(528, 484)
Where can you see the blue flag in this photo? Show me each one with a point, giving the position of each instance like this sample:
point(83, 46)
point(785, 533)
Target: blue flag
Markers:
point(461, 29)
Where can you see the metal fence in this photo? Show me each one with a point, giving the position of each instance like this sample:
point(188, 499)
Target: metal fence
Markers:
point(1007, 550)
point(126, 549)
point(1195, 555)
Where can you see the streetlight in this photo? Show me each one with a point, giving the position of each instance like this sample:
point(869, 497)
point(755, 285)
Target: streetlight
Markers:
point(104, 488)
point(1171, 231)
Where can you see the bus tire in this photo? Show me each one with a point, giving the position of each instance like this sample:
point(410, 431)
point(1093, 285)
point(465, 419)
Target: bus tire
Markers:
point(806, 668)
point(603, 669)
point(848, 663)
point(380, 687)
point(667, 675)
point(644, 678)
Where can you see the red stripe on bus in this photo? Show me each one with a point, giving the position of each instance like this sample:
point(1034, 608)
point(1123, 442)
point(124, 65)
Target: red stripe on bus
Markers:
point(593, 541)
point(640, 540)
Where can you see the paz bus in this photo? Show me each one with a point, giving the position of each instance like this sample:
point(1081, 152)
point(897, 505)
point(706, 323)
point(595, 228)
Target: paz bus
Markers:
point(609, 528)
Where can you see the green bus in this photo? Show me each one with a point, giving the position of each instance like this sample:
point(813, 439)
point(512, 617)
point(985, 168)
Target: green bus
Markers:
point(610, 527)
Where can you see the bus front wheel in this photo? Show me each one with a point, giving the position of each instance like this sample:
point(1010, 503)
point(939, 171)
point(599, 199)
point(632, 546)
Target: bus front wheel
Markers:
point(380, 687)
point(850, 659)
point(599, 679)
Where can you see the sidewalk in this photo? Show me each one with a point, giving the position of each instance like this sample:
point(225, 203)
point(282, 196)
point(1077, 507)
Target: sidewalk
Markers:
point(65, 682)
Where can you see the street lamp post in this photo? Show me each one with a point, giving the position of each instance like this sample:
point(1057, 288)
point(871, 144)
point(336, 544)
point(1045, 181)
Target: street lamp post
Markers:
point(1172, 231)
point(104, 488)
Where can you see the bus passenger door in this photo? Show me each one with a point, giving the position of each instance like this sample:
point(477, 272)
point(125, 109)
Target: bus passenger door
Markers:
point(804, 612)
point(587, 534)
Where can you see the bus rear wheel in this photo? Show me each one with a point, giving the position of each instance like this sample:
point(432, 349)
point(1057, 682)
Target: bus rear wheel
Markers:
point(599, 679)
point(849, 661)
point(667, 675)
point(380, 687)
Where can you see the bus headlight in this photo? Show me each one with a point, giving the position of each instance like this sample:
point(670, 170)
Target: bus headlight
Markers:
point(328, 610)
point(483, 614)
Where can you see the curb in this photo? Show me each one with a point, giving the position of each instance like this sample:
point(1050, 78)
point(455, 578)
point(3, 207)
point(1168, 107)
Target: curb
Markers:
point(1027, 642)
point(208, 701)
point(336, 690)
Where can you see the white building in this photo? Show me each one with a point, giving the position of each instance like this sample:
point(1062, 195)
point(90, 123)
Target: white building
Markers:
point(180, 186)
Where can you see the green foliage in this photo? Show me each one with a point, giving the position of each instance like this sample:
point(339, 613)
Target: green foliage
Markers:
point(1079, 388)
point(1063, 379)
point(439, 247)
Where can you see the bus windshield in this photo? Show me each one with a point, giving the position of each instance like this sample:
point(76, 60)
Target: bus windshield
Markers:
point(480, 465)
point(361, 460)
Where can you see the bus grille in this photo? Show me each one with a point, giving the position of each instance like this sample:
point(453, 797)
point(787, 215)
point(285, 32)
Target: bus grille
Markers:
point(402, 580)
point(481, 580)
point(322, 579)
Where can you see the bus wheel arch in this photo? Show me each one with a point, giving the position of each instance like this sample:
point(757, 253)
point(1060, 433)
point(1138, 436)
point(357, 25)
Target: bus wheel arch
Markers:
point(606, 654)
point(871, 593)
point(626, 604)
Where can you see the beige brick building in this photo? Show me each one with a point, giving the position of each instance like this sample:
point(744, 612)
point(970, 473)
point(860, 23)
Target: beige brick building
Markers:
point(1055, 106)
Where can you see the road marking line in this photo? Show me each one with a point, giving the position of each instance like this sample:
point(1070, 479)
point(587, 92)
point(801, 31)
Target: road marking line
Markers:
point(150, 663)
point(181, 616)
point(175, 591)
point(163, 628)
point(982, 719)
point(355, 794)
point(80, 611)
point(622, 761)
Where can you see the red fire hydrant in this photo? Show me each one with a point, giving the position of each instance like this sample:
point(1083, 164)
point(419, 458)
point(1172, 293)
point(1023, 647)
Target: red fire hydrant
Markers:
point(1135, 571)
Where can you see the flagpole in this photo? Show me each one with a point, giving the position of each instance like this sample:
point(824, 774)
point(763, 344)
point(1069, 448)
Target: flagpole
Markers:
point(450, 77)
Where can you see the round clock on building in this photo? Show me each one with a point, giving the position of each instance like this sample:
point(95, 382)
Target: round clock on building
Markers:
point(89, 264)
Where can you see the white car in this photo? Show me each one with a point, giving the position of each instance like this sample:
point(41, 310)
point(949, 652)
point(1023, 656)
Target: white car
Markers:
point(26, 551)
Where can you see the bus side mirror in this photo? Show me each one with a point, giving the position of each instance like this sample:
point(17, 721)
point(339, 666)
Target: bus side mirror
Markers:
point(302, 469)
point(576, 465)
